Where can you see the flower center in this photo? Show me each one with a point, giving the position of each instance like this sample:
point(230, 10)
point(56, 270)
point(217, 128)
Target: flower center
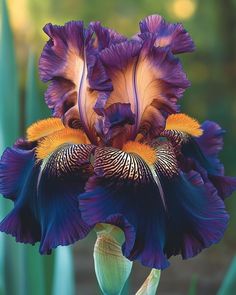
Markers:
point(147, 153)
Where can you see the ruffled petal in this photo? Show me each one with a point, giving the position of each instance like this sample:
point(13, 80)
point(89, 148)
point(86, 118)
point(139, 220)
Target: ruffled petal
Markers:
point(167, 34)
point(197, 215)
point(13, 170)
point(77, 76)
point(45, 194)
point(18, 179)
point(201, 151)
point(211, 143)
point(115, 123)
point(169, 214)
point(121, 193)
point(142, 75)
point(58, 188)
point(105, 37)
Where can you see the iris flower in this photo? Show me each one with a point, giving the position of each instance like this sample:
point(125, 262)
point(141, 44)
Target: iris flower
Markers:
point(117, 149)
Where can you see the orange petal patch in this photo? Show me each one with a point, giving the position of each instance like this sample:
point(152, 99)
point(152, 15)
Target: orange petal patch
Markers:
point(147, 153)
point(44, 128)
point(184, 123)
point(52, 142)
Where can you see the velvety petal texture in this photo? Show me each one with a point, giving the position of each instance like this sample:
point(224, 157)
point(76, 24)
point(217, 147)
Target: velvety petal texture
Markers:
point(18, 180)
point(198, 147)
point(169, 214)
point(211, 143)
point(77, 77)
point(144, 76)
point(167, 34)
point(45, 192)
point(58, 187)
point(105, 37)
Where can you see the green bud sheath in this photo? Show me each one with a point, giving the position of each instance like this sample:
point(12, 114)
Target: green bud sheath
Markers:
point(111, 267)
point(150, 285)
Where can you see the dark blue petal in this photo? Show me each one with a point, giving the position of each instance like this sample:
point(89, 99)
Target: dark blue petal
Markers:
point(58, 212)
point(196, 216)
point(18, 178)
point(45, 205)
point(14, 165)
point(170, 216)
point(140, 205)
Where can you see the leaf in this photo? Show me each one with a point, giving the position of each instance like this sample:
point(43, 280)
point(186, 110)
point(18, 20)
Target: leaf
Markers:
point(193, 286)
point(228, 285)
point(63, 280)
point(33, 105)
point(12, 271)
point(9, 96)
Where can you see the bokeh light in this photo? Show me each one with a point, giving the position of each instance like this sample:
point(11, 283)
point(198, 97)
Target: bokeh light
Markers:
point(183, 9)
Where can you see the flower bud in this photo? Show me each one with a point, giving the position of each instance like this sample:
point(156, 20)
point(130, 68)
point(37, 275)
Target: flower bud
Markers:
point(111, 267)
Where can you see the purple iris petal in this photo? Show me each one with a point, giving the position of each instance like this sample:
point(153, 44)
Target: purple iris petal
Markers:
point(107, 198)
point(190, 220)
point(205, 152)
point(18, 180)
point(77, 77)
point(105, 37)
point(225, 185)
point(45, 202)
point(211, 143)
point(144, 75)
point(167, 34)
point(196, 216)
point(14, 166)
point(60, 219)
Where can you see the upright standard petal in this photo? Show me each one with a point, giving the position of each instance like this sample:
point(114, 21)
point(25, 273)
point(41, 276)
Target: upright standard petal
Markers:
point(76, 76)
point(167, 34)
point(145, 77)
point(169, 214)
point(105, 37)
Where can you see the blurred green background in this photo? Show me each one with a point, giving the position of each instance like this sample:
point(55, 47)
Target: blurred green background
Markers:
point(212, 72)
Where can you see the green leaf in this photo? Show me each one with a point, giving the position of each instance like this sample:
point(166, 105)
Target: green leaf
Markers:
point(34, 104)
point(64, 280)
point(228, 285)
point(34, 271)
point(12, 271)
point(193, 286)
